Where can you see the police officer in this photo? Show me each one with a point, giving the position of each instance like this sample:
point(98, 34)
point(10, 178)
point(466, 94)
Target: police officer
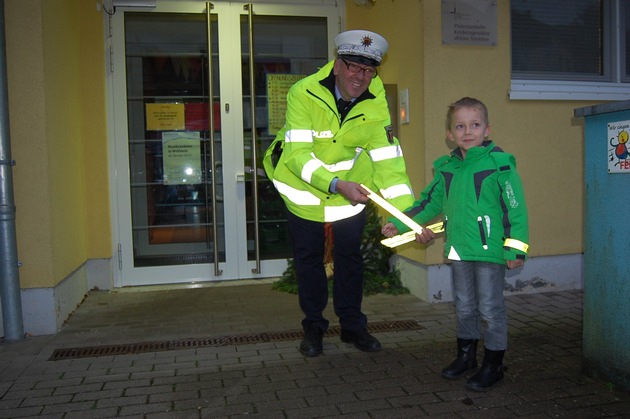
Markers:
point(337, 136)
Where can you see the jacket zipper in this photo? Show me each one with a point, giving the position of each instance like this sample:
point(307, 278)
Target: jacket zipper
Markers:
point(319, 98)
point(334, 110)
point(482, 233)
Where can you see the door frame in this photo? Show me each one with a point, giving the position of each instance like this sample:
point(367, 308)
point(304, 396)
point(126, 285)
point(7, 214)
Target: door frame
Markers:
point(124, 273)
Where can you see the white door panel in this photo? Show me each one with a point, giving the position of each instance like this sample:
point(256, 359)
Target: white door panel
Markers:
point(186, 211)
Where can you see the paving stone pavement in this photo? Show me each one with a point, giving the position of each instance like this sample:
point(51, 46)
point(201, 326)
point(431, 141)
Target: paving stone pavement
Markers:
point(272, 379)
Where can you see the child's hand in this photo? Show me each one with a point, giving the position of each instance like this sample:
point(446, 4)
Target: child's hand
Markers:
point(389, 230)
point(513, 264)
point(426, 236)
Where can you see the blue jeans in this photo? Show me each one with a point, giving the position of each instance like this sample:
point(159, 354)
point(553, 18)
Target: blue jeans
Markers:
point(478, 294)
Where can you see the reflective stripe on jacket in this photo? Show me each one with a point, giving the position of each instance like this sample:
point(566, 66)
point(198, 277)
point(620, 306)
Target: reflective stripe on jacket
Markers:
point(317, 147)
point(482, 203)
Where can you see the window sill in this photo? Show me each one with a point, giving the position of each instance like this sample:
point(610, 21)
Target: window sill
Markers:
point(568, 90)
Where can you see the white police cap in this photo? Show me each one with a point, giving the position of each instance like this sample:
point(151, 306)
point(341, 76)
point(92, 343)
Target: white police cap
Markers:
point(362, 46)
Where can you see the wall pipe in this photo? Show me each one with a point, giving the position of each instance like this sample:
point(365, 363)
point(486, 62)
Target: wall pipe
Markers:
point(9, 276)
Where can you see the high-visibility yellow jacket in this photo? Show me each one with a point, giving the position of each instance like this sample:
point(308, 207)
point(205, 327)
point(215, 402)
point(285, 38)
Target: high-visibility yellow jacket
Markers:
point(317, 147)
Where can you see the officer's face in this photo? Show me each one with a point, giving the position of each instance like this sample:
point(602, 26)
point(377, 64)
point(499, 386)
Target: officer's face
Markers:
point(352, 84)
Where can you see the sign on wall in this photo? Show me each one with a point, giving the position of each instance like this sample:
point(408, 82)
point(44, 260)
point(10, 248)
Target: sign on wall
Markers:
point(469, 22)
point(618, 153)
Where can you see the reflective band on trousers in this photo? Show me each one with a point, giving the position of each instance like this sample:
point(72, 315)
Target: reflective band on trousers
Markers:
point(396, 191)
point(385, 153)
point(516, 244)
point(295, 195)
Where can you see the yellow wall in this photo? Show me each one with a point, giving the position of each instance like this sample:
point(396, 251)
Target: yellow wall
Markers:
point(92, 96)
point(25, 63)
point(546, 140)
point(58, 136)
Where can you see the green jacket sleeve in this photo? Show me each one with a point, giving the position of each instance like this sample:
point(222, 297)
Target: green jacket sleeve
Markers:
point(516, 244)
point(429, 204)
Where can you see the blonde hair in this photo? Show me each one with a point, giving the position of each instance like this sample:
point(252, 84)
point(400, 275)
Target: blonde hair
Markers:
point(466, 102)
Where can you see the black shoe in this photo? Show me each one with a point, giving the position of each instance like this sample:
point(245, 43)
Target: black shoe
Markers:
point(361, 340)
point(466, 359)
point(490, 373)
point(311, 345)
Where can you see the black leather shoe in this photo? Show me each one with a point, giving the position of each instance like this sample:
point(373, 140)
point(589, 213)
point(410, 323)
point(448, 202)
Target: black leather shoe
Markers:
point(311, 345)
point(361, 340)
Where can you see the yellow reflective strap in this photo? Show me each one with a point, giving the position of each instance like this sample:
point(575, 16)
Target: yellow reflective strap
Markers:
point(410, 236)
point(437, 227)
point(516, 244)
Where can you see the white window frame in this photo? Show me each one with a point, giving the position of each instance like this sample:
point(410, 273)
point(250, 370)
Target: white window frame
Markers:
point(618, 88)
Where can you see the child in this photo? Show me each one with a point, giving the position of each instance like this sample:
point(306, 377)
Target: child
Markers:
point(479, 194)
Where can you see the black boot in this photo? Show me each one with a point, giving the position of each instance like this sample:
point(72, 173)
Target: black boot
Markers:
point(312, 344)
point(491, 371)
point(466, 359)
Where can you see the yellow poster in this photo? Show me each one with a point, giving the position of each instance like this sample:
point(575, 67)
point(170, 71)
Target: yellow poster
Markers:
point(278, 86)
point(165, 116)
point(181, 154)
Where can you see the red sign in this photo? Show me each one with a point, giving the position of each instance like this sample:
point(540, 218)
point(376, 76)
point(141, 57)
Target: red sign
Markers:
point(197, 116)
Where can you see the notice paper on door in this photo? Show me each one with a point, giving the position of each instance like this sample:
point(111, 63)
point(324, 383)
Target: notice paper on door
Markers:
point(165, 116)
point(181, 153)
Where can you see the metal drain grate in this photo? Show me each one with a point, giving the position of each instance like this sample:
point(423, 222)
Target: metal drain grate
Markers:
point(171, 345)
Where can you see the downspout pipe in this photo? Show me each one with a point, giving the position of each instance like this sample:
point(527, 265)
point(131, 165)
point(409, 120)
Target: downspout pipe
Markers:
point(9, 276)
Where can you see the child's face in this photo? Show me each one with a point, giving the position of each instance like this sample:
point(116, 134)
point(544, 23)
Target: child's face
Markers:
point(468, 128)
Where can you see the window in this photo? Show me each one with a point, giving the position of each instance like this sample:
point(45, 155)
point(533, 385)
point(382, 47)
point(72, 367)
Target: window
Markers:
point(570, 49)
point(625, 39)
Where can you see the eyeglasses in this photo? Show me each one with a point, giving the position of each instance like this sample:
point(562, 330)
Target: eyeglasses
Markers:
point(353, 68)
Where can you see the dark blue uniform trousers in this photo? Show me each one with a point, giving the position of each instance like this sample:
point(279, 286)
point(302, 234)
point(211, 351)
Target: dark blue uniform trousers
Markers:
point(308, 255)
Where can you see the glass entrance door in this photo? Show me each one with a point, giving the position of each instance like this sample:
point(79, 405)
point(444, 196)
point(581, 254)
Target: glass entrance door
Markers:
point(199, 93)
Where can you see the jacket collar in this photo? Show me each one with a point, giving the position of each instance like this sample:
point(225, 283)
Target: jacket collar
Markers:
point(486, 147)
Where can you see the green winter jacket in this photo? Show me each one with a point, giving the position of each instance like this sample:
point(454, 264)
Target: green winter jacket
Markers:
point(316, 146)
point(482, 203)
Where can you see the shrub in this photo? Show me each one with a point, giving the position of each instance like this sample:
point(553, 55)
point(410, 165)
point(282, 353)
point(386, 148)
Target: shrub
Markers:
point(377, 276)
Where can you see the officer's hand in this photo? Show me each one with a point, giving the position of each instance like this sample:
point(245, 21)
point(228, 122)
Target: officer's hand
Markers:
point(353, 192)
